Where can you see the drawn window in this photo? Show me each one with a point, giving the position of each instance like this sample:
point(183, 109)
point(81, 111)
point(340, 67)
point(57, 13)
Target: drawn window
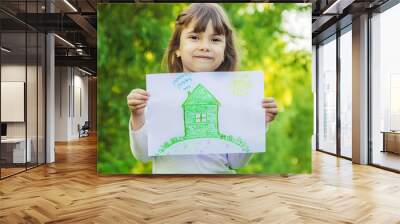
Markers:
point(201, 117)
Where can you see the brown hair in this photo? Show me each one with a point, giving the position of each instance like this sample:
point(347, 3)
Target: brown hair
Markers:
point(202, 13)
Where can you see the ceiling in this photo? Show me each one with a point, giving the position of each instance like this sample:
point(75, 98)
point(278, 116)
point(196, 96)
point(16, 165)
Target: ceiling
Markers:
point(332, 15)
point(72, 20)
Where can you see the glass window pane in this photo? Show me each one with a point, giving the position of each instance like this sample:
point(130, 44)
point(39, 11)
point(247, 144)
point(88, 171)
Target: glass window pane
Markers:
point(13, 87)
point(31, 97)
point(32, 86)
point(22, 63)
point(327, 97)
point(385, 89)
point(346, 94)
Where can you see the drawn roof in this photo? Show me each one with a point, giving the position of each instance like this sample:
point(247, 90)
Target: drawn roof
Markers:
point(200, 96)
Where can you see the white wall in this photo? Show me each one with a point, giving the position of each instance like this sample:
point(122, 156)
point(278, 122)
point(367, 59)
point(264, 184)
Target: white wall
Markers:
point(61, 103)
point(71, 93)
point(16, 73)
point(80, 115)
point(12, 99)
point(10, 73)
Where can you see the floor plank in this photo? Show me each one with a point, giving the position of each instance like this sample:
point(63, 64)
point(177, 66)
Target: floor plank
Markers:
point(70, 191)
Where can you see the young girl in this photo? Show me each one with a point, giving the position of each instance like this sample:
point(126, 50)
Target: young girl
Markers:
point(202, 42)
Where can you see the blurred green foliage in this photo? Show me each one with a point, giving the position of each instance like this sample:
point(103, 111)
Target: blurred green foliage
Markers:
point(132, 39)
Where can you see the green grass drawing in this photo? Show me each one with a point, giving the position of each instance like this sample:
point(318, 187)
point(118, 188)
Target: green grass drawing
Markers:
point(201, 121)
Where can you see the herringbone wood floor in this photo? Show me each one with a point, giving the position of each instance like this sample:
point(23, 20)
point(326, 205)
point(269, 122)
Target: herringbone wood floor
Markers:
point(70, 191)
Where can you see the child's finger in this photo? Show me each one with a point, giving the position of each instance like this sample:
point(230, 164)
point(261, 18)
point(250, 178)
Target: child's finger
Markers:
point(134, 94)
point(138, 93)
point(268, 100)
point(139, 96)
point(137, 107)
point(140, 106)
point(135, 102)
point(272, 110)
point(269, 104)
point(142, 92)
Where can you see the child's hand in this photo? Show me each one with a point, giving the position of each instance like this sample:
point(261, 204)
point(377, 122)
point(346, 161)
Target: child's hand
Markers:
point(137, 101)
point(271, 109)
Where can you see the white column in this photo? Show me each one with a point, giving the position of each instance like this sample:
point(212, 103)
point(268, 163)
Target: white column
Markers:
point(360, 90)
point(50, 92)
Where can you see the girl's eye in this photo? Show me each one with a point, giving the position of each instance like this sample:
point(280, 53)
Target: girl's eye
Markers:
point(194, 37)
point(216, 40)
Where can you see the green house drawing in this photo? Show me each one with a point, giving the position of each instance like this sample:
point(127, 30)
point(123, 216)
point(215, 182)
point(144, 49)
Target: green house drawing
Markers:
point(201, 114)
point(200, 118)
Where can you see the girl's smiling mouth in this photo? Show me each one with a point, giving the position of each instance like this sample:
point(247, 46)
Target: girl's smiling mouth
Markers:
point(203, 57)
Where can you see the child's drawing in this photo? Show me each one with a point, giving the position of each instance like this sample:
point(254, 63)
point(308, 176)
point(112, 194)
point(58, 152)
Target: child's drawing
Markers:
point(198, 113)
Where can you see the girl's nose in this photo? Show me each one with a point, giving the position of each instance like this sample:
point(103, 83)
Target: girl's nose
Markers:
point(204, 45)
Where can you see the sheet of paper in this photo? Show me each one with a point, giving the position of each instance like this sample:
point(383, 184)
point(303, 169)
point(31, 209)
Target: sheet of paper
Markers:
point(205, 113)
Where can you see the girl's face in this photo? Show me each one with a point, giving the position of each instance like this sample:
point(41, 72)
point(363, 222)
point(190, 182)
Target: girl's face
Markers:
point(201, 52)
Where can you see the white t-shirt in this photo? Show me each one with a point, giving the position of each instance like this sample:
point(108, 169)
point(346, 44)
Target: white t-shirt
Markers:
point(185, 164)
